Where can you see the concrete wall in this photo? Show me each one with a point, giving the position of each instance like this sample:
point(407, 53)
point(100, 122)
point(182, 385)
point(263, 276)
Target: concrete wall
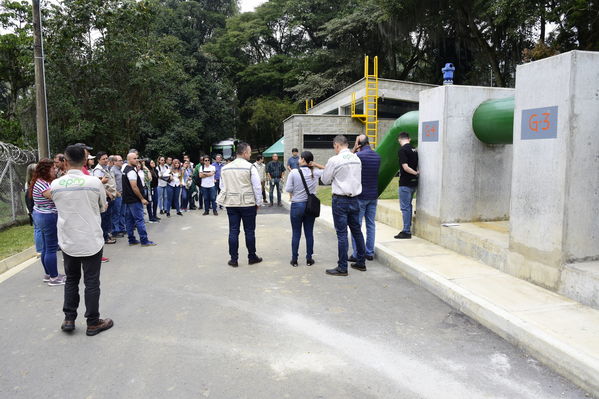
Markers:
point(388, 88)
point(555, 184)
point(296, 126)
point(462, 179)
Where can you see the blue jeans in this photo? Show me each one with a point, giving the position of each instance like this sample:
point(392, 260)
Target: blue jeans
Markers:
point(184, 197)
point(161, 197)
point(275, 183)
point(118, 219)
point(47, 225)
point(106, 218)
point(299, 218)
point(346, 212)
point(236, 215)
point(135, 219)
point(209, 195)
point(368, 211)
point(405, 203)
point(37, 237)
point(172, 198)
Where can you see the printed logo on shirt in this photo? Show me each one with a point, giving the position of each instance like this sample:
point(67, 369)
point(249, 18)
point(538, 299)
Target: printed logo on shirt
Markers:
point(72, 181)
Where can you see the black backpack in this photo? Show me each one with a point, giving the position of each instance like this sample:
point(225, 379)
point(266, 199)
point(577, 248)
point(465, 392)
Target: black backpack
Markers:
point(313, 205)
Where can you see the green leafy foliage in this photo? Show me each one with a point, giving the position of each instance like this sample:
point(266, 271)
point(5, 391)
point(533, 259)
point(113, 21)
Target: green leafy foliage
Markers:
point(167, 76)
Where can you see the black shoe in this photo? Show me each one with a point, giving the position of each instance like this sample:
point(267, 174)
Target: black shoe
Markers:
point(157, 218)
point(179, 213)
point(369, 257)
point(168, 215)
point(358, 266)
point(205, 213)
point(310, 262)
point(352, 259)
point(403, 235)
point(68, 325)
point(257, 259)
point(161, 212)
point(98, 328)
point(336, 272)
point(233, 263)
point(215, 213)
point(293, 263)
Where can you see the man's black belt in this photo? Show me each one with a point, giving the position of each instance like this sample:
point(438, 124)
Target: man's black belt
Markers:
point(343, 196)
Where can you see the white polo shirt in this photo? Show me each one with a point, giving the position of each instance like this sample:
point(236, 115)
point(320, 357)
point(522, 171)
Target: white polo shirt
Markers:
point(344, 171)
point(79, 200)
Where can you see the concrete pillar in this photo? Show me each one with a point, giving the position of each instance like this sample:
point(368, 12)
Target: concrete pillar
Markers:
point(462, 179)
point(554, 217)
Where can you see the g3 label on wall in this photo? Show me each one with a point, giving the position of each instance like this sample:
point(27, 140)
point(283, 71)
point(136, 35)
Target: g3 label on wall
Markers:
point(430, 131)
point(539, 123)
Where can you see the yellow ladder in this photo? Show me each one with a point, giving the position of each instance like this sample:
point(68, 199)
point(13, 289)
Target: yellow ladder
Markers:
point(371, 111)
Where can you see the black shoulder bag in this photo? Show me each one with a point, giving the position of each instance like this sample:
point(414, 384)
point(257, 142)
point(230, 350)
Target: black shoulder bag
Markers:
point(313, 205)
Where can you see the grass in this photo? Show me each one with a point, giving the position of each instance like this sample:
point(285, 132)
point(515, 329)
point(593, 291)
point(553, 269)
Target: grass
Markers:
point(391, 192)
point(15, 239)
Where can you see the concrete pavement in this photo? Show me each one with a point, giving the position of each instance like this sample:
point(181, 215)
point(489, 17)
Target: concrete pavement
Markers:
point(188, 326)
point(560, 332)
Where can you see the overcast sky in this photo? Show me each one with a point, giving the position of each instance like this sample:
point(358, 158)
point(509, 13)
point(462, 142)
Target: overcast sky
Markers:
point(249, 5)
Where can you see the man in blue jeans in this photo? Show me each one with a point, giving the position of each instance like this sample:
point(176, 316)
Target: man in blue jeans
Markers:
point(408, 182)
point(343, 171)
point(135, 202)
point(371, 161)
point(241, 194)
point(275, 171)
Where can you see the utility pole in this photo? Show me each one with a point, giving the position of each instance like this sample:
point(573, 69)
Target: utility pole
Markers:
point(43, 145)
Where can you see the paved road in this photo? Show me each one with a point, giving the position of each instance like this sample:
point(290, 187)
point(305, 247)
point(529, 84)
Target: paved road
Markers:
point(188, 326)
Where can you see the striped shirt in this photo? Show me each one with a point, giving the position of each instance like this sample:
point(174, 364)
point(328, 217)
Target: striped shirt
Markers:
point(42, 204)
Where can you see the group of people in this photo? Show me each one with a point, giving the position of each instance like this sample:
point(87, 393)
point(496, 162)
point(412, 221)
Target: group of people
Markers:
point(353, 175)
point(71, 202)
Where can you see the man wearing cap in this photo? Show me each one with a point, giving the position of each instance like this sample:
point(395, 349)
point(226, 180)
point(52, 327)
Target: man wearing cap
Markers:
point(79, 200)
point(344, 171)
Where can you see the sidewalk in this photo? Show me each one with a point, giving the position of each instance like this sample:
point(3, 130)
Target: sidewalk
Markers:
point(558, 331)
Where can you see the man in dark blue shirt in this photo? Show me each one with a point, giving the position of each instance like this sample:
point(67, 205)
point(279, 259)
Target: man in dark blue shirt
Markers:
point(293, 161)
point(371, 161)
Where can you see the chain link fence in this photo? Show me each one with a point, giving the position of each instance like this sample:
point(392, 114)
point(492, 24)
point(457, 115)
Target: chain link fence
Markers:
point(13, 168)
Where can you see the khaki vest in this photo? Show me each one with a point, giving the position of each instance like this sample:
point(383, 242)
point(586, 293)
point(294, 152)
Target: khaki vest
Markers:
point(237, 180)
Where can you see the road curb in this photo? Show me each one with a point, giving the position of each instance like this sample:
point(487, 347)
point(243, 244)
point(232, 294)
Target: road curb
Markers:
point(15, 260)
point(577, 366)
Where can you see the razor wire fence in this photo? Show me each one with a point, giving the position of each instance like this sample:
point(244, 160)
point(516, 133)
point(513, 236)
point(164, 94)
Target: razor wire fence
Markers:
point(13, 169)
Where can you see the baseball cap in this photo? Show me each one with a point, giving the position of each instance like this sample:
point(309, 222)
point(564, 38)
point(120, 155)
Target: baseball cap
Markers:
point(91, 157)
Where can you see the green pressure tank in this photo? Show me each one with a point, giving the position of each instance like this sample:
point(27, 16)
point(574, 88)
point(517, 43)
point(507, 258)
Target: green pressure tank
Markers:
point(493, 121)
point(389, 147)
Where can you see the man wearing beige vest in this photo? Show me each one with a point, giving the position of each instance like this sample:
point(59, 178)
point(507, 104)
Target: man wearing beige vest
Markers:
point(241, 194)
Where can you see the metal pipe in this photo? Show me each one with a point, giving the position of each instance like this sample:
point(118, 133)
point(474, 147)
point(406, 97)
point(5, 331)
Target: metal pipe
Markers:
point(389, 147)
point(493, 121)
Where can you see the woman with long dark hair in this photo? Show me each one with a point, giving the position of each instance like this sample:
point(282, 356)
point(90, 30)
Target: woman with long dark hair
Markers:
point(174, 188)
point(299, 199)
point(153, 192)
point(45, 217)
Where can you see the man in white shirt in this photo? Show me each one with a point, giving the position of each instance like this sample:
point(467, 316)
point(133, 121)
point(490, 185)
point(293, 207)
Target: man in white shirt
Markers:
point(344, 172)
point(208, 185)
point(241, 195)
point(164, 175)
point(79, 200)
